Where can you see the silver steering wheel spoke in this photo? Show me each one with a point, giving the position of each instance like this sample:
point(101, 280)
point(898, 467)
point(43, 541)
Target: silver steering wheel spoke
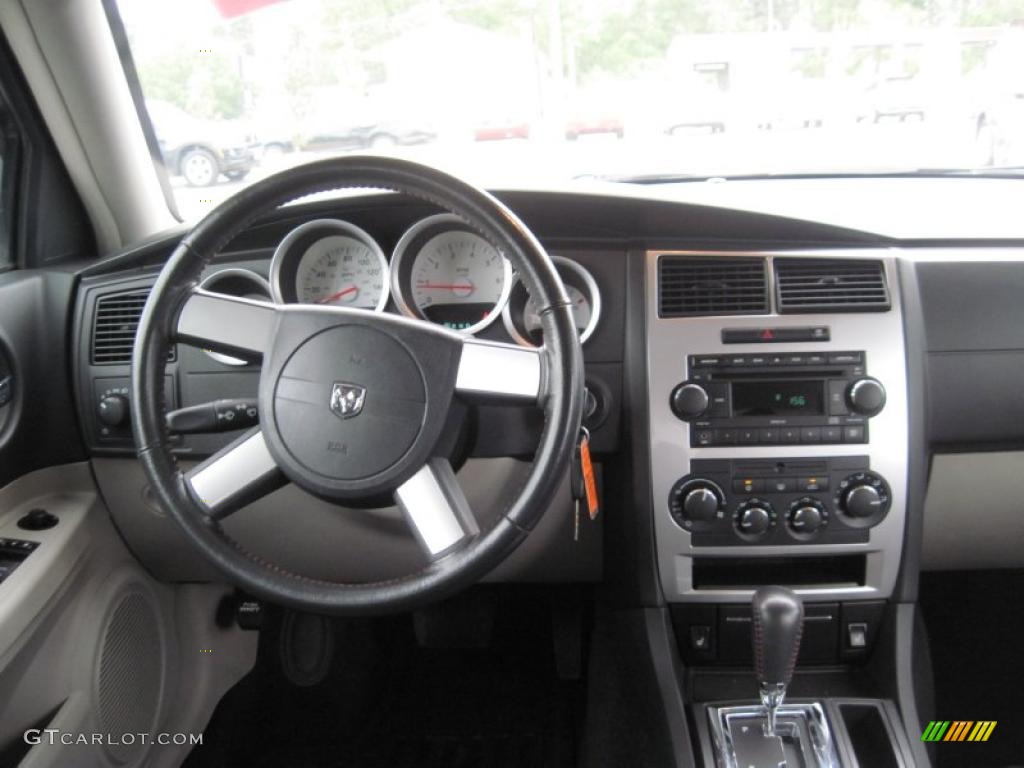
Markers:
point(436, 509)
point(238, 474)
point(227, 324)
point(492, 371)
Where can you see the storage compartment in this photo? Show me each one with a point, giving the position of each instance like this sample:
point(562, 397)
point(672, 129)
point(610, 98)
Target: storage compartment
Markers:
point(750, 573)
point(871, 739)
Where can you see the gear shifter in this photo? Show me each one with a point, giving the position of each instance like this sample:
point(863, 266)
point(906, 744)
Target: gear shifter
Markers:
point(778, 623)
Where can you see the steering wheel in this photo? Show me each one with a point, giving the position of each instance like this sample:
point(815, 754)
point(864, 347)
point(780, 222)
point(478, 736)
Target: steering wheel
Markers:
point(355, 405)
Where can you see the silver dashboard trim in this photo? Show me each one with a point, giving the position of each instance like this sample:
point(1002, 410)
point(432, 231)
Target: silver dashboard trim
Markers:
point(561, 263)
point(283, 253)
point(670, 340)
point(246, 274)
point(407, 305)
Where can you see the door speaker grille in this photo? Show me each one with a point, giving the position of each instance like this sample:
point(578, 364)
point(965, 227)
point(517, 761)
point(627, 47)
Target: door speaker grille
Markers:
point(131, 669)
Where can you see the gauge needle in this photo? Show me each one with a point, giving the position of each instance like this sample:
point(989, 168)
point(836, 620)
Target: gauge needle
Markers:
point(338, 295)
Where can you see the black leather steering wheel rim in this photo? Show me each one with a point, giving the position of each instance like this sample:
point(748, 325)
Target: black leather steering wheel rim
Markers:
point(561, 399)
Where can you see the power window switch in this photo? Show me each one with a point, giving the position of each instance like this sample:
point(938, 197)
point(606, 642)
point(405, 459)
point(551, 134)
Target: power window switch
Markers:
point(857, 635)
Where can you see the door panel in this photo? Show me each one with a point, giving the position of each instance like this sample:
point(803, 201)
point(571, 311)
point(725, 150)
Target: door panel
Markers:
point(38, 427)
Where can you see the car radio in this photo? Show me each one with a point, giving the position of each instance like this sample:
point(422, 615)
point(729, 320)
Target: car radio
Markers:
point(778, 398)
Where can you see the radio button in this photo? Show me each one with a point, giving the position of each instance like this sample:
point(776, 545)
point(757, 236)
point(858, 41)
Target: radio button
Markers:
point(794, 359)
point(789, 435)
point(704, 361)
point(837, 397)
point(718, 391)
point(725, 437)
point(757, 360)
point(853, 434)
point(748, 436)
point(844, 358)
point(737, 360)
point(831, 434)
point(810, 435)
point(816, 359)
point(769, 436)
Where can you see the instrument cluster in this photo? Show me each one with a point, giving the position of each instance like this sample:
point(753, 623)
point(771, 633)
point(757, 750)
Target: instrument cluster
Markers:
point(440, 271)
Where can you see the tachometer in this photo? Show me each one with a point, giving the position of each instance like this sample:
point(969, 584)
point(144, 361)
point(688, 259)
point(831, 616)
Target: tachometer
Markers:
point(444, 272)
point(520, 316)
point(328, 261)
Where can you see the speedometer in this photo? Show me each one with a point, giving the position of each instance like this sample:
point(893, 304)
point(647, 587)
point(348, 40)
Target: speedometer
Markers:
point(331, 262)
point(445, 273)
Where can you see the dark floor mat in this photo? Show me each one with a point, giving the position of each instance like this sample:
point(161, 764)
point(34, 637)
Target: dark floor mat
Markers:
point(976, 631)
point(391, 704)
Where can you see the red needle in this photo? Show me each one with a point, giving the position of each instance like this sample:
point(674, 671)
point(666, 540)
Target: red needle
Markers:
point(446, 287)
point(338, 295)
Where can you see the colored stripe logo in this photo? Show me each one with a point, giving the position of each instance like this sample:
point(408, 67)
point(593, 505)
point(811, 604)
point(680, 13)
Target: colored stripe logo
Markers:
point(958, 730)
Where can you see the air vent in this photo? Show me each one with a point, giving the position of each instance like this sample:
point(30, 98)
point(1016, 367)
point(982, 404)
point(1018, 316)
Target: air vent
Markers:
point(831, 285)
point(707, 285)
point(114, 326)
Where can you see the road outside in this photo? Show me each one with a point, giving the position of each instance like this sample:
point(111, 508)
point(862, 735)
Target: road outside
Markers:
point(858, 147)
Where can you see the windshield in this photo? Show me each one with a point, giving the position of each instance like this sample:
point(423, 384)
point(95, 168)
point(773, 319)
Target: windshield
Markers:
point(537, 91)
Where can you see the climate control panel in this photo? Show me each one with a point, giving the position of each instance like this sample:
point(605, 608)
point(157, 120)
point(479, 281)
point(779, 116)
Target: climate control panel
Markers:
point(726, 502)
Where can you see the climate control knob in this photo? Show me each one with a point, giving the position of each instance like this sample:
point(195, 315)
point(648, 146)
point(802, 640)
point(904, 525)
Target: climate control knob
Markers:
point(863, 498)
point(695, 501)
point(806, 517)
point(113, 410)
point(700, 504)
point(862, 501)
point(866, 397)
point(689, 401)
point(754, 518)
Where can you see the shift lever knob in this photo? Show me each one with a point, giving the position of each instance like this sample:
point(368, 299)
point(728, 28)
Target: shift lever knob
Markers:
point(778, 622)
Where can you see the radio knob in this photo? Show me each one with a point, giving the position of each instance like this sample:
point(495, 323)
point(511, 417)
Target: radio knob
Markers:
point(806, 517)
point(689, 401)
point(753, 519)
point(866, 396)
point(113, 410)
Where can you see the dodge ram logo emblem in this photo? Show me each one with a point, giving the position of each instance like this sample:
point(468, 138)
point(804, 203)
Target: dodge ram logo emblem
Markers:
point(347, 399)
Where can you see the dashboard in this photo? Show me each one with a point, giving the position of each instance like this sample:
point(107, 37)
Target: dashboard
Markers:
point(765, 395)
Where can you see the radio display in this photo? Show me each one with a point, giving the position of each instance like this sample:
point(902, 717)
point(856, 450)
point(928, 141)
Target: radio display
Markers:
point(778, 398)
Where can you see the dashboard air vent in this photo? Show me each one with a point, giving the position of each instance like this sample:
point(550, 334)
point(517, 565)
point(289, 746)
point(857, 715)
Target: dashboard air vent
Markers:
point(114, 325)
point(710, 285)
point(830, 285)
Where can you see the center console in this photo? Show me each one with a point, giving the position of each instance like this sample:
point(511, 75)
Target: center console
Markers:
point(777, 391)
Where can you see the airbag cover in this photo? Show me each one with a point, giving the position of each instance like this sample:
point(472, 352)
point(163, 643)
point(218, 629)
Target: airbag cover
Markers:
point(349, 403)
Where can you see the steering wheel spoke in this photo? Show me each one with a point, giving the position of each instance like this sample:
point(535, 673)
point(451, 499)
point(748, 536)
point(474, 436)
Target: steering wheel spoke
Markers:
point(228, 324)
point(496, 372)
point(238, 474)
point(436, 508)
